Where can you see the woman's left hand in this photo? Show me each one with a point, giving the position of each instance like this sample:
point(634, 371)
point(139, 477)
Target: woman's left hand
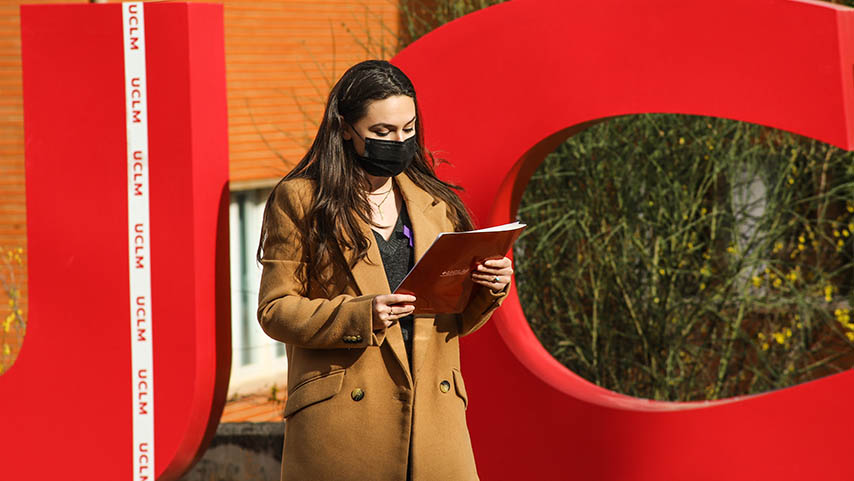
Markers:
point(493, 273)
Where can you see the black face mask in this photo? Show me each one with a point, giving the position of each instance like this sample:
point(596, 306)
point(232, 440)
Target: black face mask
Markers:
point(387, 158)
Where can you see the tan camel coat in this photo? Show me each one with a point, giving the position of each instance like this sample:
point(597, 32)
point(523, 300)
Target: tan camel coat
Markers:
point(353, 407)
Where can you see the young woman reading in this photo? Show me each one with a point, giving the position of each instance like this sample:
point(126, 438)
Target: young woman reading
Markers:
point(374, 393)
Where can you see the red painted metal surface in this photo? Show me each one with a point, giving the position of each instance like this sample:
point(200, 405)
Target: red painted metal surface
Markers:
point(66, 407)
point(504, 86)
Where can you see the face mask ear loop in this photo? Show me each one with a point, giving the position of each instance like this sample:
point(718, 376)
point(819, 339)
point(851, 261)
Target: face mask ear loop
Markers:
point(353, 129)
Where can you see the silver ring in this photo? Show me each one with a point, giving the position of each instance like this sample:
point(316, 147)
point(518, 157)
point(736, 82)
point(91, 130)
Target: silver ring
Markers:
point(495, 279)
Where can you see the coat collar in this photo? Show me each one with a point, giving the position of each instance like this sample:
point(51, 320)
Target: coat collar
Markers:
point(427, 217)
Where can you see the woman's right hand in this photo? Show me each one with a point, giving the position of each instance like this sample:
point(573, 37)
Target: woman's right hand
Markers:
point(389, 308)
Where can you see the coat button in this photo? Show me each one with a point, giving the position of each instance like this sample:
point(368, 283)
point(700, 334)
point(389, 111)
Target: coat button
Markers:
point(357, 394)
point(444, 386)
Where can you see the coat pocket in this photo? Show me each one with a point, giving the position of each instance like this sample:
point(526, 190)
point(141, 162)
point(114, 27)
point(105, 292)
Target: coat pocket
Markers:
point(313, 391)
point(460, 387)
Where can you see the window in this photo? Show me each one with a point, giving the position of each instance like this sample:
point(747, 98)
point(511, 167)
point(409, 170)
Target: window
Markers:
point(257, 360)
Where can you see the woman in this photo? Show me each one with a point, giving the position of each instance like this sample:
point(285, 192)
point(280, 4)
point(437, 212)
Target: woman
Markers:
point(374, 393)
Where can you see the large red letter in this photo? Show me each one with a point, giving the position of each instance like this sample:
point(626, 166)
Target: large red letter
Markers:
point(504, 86)
point(128, 380)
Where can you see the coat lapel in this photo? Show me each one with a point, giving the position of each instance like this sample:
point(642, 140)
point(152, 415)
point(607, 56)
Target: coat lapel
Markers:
point(370, 278)
point(427, 217)
point(428, 220)
point(368, 272)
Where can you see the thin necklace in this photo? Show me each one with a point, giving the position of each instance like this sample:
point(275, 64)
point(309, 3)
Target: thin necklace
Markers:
point(379, 210)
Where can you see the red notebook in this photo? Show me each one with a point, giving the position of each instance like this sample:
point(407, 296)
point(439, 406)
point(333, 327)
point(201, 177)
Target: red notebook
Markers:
point(441, 280)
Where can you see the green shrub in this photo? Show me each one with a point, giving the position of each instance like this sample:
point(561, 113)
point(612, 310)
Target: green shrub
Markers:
point(685, 258)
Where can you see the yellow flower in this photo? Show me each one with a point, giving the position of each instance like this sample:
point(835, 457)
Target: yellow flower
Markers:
point(703, 211)
point(651, 203)
point(778, 246)
point(840, 243)
point(705, 271)
point(661, 271)
point(845, 232)
point(791, 181)
point(761, 336)
point(656, 300)
point(702, 286)
point(11, 303)
point(850, 335)
point(757, 281)
point(681, 141)
point(792, 276)
point(731, 249)
point(828, 293)
point(801, 247)
point(777, 282)
point(779, 337)
point(765, 346)
point(6, 350)
point(835, 233)
point(850, 209)
point(801, 239)
point(788, 332)
point(690, 245)
point(799, 325)
point(711, 147)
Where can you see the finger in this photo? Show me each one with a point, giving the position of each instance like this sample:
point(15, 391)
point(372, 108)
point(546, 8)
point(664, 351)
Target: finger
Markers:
point(487, 270)
point(403, 311)
point(503, 269)
point(495, 286)
point(498, 263)
point(400, 298)
point(493, 278)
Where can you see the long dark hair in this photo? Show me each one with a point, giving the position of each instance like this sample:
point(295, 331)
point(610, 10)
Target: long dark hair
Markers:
point(340, 200)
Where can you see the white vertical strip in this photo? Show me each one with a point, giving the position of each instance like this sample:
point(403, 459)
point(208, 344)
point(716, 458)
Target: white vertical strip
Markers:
point(139, 242)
